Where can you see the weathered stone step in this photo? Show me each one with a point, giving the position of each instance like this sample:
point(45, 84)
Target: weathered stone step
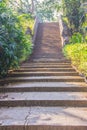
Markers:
point(42, 127)
point(46, 63)
point(72, 99)
point(43, 118)
point(46, 66)
point(48, 56)
point(43, 89)
point(22, 74)
point(45, 69)
point(43, 79)
point(50, 61)
point(44, 86)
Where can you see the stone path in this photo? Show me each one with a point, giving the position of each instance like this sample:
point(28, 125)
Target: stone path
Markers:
point(46, 93)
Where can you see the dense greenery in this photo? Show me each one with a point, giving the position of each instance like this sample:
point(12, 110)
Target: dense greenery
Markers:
point(76, 50)
point(15, 44)
point(48, 10)
point(78, 54)
point(74, 13)
point(23, 6)
point(16, 23)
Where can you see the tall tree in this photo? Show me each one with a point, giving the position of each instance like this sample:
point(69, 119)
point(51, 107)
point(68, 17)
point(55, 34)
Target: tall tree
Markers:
point(48, 9)
point(22, 6)
point(74, 12)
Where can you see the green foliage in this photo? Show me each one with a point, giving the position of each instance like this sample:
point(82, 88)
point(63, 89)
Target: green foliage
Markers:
point(84, 28)
point(21, 6)
point(77, 49)
point(48, 9)
point(76, 38)
point(74, 12)
point(65, 20)
point(78, 55)
point(15, 44)
point(26, 20)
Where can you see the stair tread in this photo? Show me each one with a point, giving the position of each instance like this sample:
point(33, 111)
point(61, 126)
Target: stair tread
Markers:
point(42, 72)
point(46, 63)
point(44, 60)
point(48, 96)
point(57, 116)
point(46, 68)
point(46, 84)
point(44, 87)
point(43, 77)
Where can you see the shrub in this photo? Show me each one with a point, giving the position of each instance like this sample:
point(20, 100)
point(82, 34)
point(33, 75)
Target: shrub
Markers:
point(26, 20)
point(76, 38)
point(78, 55)
point(15, 45)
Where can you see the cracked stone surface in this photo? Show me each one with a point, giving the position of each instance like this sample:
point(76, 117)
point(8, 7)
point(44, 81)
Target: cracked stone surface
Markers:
point(13, 116)
point(58, 116)
point(43, 116)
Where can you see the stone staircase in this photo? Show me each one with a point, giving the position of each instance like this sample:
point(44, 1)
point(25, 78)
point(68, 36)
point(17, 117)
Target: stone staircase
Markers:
point(46, 93)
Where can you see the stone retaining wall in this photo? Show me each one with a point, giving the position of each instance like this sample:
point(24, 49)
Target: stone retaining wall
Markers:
point(64, 31)
point(37, 21)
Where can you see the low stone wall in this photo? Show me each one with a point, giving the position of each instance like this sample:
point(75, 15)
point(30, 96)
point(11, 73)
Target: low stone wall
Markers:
point(61, 28)
point(64, 31)
point(37, 21)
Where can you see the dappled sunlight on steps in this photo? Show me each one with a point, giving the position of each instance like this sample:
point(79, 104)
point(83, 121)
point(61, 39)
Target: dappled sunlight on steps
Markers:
point(46, 93)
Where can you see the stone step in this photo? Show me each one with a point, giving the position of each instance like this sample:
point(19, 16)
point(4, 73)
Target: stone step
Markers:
point(43, 127)
point(46, 66)
point(66, 99)
point(25, 74)
point(42, 79)
point(46, 63)
point(45, 84)
point(43, 118)
point(44, 60)
point(43, 89)
point(42, 57)
point(45, 69)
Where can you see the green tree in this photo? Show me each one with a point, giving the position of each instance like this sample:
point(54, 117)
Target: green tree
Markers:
point(23, 6)
point(48, 9)
point(15, 45)
point(74, 12)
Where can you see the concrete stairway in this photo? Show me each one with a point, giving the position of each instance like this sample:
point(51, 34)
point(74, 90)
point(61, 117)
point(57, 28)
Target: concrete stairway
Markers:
point(46, 93)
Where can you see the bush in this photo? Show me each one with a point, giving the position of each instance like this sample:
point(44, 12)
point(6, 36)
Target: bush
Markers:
point(26, 20)
point(78, 55)
point(76, 38)
point(15, 45)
